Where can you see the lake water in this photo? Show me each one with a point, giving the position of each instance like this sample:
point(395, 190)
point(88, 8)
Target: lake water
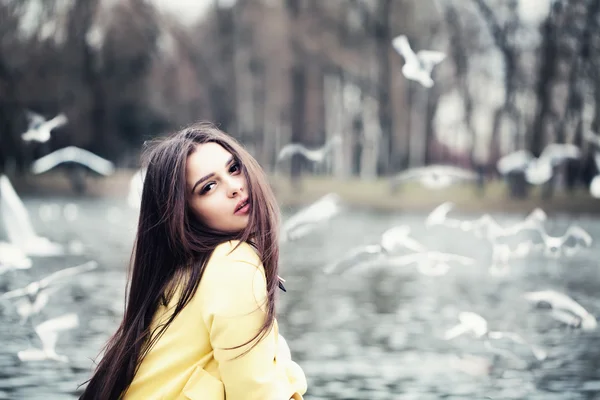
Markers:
point(376, 334)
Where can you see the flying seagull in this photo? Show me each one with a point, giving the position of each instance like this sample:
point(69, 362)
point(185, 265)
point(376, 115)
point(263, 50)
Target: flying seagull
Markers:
point(434, 176)
point(417, 67)
point(76, 155)
point(560, 304)
point(40, 129)
point(315, 155)
point(48, 333)
point(538, 170)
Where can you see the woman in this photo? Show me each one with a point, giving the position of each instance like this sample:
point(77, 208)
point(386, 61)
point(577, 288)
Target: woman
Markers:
point(200, 321)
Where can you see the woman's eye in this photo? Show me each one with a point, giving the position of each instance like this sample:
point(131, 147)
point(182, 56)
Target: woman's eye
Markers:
point(235, 167)
point(207, 188)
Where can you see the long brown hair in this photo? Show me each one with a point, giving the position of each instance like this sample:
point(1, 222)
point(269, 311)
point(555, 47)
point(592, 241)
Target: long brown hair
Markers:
point(170, 243)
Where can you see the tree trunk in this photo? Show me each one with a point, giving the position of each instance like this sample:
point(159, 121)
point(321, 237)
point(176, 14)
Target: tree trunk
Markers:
point(383, 38)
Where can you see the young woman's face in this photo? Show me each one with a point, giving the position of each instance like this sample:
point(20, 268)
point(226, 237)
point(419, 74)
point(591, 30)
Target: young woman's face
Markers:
point(217, 188)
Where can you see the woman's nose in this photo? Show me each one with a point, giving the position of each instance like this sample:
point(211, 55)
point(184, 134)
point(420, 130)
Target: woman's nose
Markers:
point(236, 186)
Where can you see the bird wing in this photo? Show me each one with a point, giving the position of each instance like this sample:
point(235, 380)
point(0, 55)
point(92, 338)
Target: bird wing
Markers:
point(136, 187)
point(565, 317)
point(300, 229)
point(68, 272)
point(557, 300)
point(289, 150)
point(455, 172)
point(398, 236)
point(513, 237)
point(72, 154)
point(537, 216)
point(401, 45)
point(34, 119)
point(93, 161)
point(17, 223)
point(14, 293)
point(430, 59)
point(409, 174)
point(514, 161)
point(31, 355)
point(555, 153)
point(48, 330)
point(315, 155)
point(576, 235)
point(401, 261)
point(32, 134)
point(597, 160)
point(439, 214)
point(456, 331)
point(413, 245)
point(321, 210)
point(534, 221)
point(356, 256)
point(538, 352)
point(294, 148)
point(474, 320)
point(445, 257)
point(53, 159)
point(56, 122)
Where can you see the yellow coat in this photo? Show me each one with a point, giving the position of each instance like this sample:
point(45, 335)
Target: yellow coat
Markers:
point(190, 360)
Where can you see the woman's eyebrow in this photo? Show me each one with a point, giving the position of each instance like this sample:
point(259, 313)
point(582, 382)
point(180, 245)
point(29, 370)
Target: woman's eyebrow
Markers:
point(206, 177)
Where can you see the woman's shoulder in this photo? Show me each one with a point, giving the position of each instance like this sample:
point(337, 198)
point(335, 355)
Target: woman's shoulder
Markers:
point(233, 259)
point(236, 250)
point(234, 279)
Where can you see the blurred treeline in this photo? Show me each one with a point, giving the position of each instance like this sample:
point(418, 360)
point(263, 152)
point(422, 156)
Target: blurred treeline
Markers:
point(518, 74)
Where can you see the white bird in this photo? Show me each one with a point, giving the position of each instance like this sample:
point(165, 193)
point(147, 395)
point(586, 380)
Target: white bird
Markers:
point(311, 216)
point(431, 263)
point(417, 67)
point(475, 324)
point(18, 226)
point(439, 216)
point(76, 155)
point(26, 307)
point(40, 129)
point(315, 155)
point(391, 241)
point(34, 288)
point(561, 302)
point(538, 170)
point(136, 185)
point(12, 257)
point(434, 176)
point(515, 161)
point(469, 322)
point(595, 183)
point(36, 295)
point(48, 333)
point(574, 239)
point(485, 226)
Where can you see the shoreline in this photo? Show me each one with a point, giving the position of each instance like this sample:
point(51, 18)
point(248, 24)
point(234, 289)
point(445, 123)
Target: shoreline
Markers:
point(374, 195)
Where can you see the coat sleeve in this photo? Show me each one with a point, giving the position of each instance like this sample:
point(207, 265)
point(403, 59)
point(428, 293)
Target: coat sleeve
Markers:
point(235, 311)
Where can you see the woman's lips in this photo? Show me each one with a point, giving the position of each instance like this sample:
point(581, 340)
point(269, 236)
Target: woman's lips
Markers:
point(244, 210)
